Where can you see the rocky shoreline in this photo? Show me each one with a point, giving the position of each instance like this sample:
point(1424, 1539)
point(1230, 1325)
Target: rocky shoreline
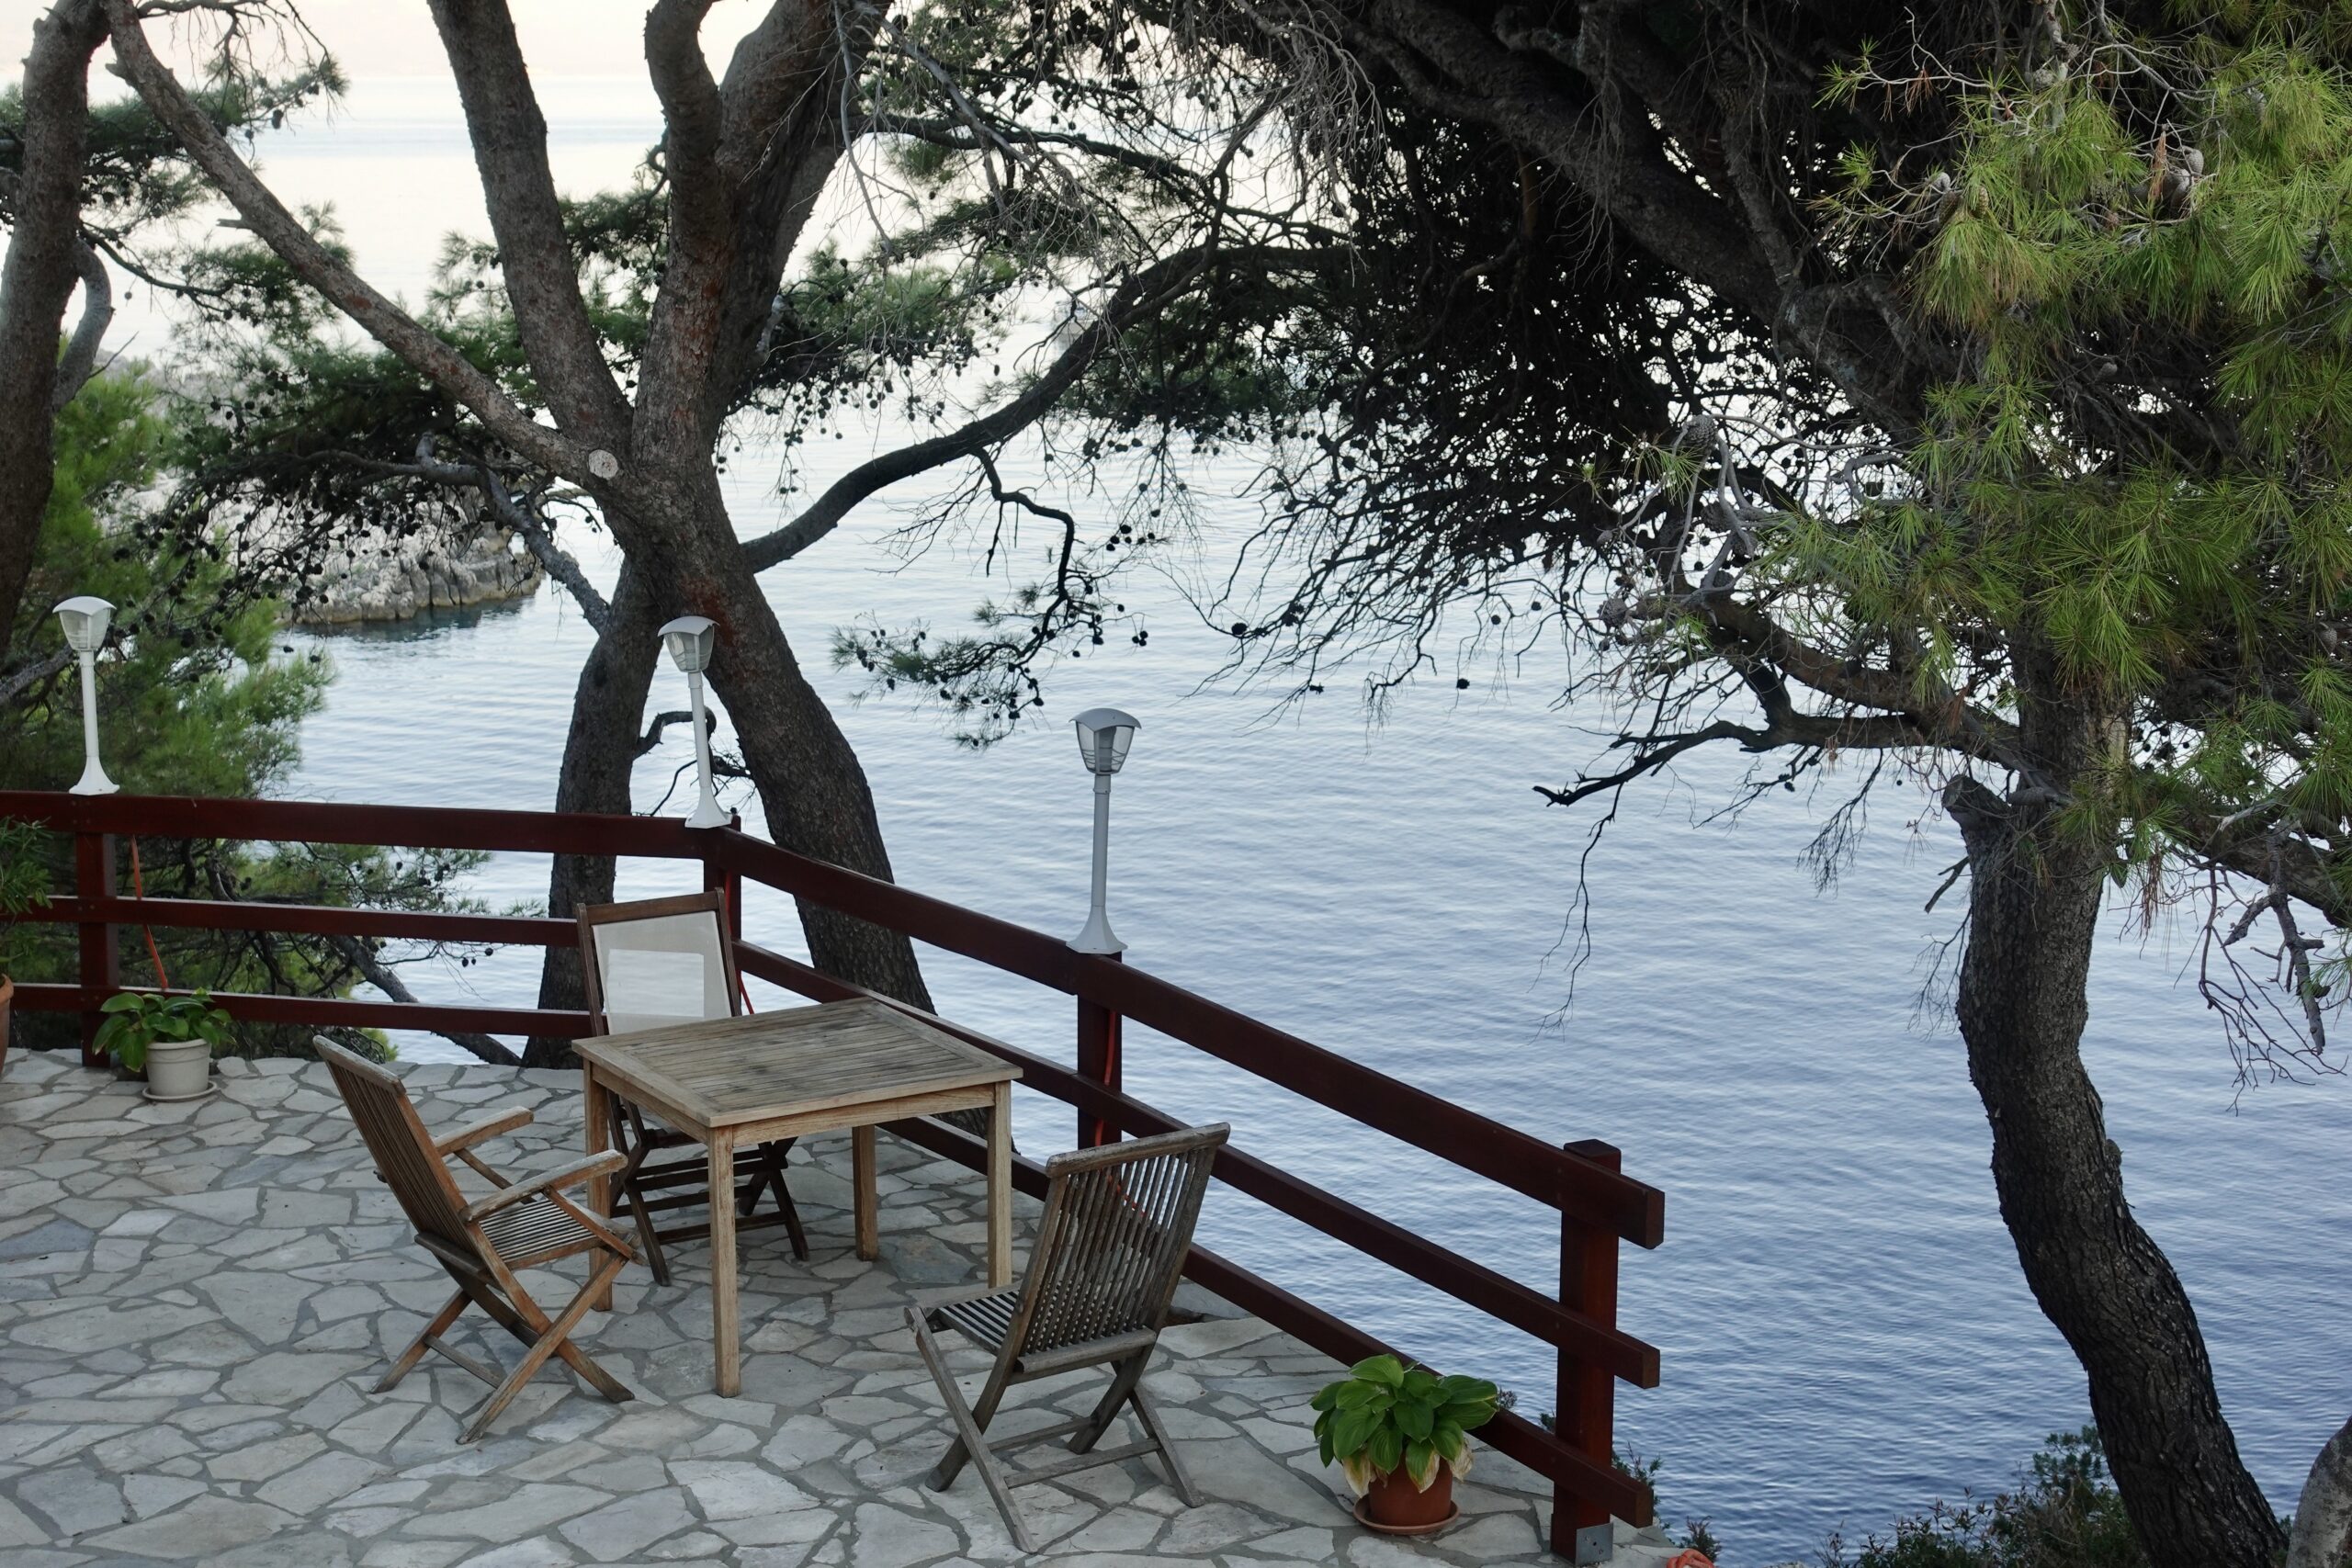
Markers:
point(385, 575)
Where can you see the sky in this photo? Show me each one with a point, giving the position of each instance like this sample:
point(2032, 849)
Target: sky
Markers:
point(395, 38)
point(391, 157)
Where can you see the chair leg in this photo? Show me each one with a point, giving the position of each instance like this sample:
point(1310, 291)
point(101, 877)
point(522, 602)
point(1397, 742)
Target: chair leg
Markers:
point(970, 1440)
point(1177, 1474)
point(1124, 1376)
point(407, 1359)
point(527, 1322)
point(551, 1339)
point(648, 1236)
point(792, 1226)
point(766, 1172)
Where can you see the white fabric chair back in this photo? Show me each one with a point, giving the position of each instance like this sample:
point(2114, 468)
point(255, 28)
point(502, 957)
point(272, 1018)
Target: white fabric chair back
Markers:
point(661, 970)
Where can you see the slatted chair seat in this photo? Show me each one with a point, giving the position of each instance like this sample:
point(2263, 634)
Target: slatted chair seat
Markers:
point(1110, 1247)
point(985, 1321)
point(648, 963)
point(531, 1233)
point(482, 1243)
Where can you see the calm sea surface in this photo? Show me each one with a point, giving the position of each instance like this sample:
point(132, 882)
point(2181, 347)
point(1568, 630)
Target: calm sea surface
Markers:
point(1844, 1328)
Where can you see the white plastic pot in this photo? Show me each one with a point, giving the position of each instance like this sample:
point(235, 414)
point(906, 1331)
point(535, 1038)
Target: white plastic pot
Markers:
point(178, 1069)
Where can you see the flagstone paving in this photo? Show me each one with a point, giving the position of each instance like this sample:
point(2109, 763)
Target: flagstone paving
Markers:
point(197, 1299)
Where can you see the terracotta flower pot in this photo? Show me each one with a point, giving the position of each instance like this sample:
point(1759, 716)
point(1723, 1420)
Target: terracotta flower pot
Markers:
point(1393, 1504)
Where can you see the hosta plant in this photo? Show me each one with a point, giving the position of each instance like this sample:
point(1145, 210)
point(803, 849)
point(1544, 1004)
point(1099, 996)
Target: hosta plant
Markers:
point(1385, 1417)
point(136, 1019)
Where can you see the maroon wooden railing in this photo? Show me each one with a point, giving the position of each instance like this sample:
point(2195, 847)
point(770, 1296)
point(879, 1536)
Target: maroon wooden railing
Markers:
point(1598, 1205)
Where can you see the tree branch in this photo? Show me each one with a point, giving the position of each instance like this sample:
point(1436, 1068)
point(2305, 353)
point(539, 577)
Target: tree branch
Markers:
point(385, 979)
point(80, 361)
point(420, 348)
point(1148, 292)
point(484, 479)
point(509, 140)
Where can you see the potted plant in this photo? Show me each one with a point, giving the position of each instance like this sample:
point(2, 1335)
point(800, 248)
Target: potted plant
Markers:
point(24, 885)
point(170, 1038)
point(1402, 1434)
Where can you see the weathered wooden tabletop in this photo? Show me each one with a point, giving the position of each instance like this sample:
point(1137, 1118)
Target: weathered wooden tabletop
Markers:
point(799, 1061)
point(768, 1076)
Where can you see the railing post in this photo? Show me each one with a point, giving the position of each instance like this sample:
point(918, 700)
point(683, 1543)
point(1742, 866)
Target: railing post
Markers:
point(94, 878)
point(1097, 1062)
point(715, 878)
point(1585, 1396)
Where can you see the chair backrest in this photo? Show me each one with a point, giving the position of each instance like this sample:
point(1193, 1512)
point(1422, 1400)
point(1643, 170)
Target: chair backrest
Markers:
point(1111, 1244)
point(404, 1150)
point(658, 962)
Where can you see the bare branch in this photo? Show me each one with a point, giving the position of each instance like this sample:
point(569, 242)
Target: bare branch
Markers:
point(510, 142)
point(422, 349)
point(362, 956)
point(80, 360)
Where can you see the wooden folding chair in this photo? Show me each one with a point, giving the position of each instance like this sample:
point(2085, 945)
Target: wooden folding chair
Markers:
point(1110, 1249)
point(649, 964)
point(482, 1244)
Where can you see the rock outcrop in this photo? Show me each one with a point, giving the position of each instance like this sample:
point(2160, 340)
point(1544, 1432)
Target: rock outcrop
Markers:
point(385, 575)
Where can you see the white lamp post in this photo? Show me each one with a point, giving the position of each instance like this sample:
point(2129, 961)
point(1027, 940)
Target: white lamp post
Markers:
point(84, 618)
point(1103, 737)
point(690, 639)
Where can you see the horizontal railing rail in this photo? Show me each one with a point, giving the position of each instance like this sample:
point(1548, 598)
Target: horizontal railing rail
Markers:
point(1599, 1206)
point(334, 822)
point(1473, 1284)
point(351, 1012)
point(1510, 1432)
point(1634, 1209)
point(312, 919)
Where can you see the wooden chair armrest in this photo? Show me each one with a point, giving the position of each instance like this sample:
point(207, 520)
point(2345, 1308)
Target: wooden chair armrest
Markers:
point(473, 1132)
point(572, 1175)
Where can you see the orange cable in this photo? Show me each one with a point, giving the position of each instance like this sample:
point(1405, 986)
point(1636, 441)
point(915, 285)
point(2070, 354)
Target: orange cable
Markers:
point(139, 891)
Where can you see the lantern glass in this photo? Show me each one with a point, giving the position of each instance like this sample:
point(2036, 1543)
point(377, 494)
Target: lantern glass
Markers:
point(690, 639)
point(85, 617)
point(1103, 737)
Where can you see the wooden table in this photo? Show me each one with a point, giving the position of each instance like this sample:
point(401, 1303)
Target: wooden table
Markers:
point(733, 1082)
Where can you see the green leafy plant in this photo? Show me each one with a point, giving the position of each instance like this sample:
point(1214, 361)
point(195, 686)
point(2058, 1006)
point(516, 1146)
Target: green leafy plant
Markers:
point(24, 885)
point(1385, 1416)
point(2063, 1514)
point(137, 1020)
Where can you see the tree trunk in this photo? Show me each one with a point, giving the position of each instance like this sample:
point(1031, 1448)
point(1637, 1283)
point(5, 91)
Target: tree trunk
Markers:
point(599, 755)
point(681, 546)
point(2322, 1533)
point(2035, 899)
point(811, 784)
point(39, 280)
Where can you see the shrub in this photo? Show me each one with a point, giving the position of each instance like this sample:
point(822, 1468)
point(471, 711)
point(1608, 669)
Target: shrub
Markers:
point(2063, 1514)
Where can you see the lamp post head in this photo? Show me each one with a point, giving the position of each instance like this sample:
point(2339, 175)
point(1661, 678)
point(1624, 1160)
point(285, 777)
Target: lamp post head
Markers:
point(690, 639)
point(85, 617)
point(1103, 737)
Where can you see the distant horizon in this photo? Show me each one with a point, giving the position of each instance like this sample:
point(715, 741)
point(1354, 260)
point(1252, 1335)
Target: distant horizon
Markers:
point(560, 38)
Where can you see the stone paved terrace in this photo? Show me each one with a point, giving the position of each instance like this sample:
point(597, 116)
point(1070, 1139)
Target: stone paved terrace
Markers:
point(196, 1300)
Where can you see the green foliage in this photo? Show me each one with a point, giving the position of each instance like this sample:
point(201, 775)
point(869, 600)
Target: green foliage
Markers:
point(136, 177)
point(2063, 1514)
point(191, 701)
point(1385, 1416)
point(2140, 469)
point(1697, 1534)
point(24, 885)
point(137, 1020)
point(194, 699)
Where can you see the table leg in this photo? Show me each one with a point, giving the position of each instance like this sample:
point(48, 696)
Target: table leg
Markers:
point(865, 1197)
point(1000, 1189)
point(596, 1112)
point(727, 1351)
